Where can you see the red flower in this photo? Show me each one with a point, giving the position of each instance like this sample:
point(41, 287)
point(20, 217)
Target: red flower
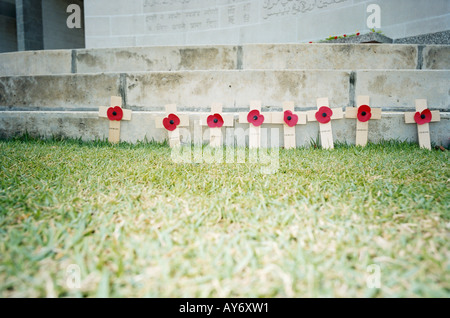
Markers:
point(345, 35)
point(358, 33)
point(171, 122)
point(324, 114)
point(423, 117)
point(335, 37)
point(255, 118)
point(114, 113)
point(310, 42)
point(290, 119)
point(214, 121)
point(364, 113)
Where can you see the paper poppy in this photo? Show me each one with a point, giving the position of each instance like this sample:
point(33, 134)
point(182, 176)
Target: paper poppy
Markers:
point(171, 122)
point(254, 117)
point(324, 114)
point(423, 117)
point(114, 113)
point(364, 113)
point(290, 119)
point(214, 121)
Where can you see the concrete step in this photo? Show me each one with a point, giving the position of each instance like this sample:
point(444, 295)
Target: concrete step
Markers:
point(88, 126)
point(246, 57)
point(197, 90)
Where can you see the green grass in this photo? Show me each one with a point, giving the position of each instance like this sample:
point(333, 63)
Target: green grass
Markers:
point(138, 224)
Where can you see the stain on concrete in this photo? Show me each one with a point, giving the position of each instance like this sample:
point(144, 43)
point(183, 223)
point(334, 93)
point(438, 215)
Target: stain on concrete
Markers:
point(290, 82)
point(377, 85)
point(437, 57)
point(207, 58)
point(90, 60)
point(125, 55)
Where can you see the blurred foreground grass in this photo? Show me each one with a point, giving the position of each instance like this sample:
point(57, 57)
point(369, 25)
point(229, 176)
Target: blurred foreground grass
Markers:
point(135, 223)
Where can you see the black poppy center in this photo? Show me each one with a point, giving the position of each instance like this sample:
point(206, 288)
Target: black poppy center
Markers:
point(422, 116)
point(215, 120)
point(289, 118)
point(255, 117)
point(364, 113)
point(114, 113)
point(324, 115)
point(172, 122)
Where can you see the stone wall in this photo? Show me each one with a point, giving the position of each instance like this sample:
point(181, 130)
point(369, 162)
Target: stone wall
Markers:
point(124, 23)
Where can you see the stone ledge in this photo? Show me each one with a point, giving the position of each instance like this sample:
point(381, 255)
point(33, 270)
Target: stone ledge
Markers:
point(251, 56)
point(199, 89)
point(87, 126)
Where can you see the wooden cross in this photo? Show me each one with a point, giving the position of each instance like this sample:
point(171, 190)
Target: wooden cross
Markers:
point(324, 117)
point(215, 121)
point(422, 117)
point(171, 123)
point(363, 113)
point(115, 114)
point(290, 120)
point(255, 118)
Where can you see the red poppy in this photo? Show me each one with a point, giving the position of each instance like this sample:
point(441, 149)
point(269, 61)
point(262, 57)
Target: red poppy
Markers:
point(290, 119)
point(324, 114)
point(345, 35)
point(358, 33)
point(364, 113)
point(171, 122)
point(254, 117)
point(214, 121)
point(423, 117)
point(114, 113)
point(335, 37)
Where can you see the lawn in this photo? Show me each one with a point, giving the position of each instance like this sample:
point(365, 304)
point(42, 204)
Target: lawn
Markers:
point(134, 223)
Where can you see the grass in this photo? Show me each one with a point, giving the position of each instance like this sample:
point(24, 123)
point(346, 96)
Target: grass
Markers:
point(137, 224)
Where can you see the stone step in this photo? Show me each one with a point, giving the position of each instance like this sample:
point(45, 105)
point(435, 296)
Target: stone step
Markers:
point(246, 57)
point(88, 126)
point(197, 90)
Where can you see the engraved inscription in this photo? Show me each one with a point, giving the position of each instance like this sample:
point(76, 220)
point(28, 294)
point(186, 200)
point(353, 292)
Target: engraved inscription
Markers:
point(278, 8)
point(183, 21)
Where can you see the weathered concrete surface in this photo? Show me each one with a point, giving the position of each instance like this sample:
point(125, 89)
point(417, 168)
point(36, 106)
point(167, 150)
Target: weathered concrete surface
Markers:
point(194, 90)
point(199, 89)
point(399, 89)
point(436, 57)
point(247, 57)
point(156, 59)
point(58, 91)
point(88, 126)
point(36, 63)
point(330, 56)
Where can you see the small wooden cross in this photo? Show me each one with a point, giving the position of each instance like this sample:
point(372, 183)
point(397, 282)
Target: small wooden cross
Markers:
point(255, 118)
point(324, 115)
point(290, 119)
point(422, 117)
point(115, 114)
point(363, 113)
point(171, 123)
point(215, 121)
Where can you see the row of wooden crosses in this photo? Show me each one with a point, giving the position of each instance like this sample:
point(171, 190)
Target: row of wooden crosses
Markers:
point(215, 120)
